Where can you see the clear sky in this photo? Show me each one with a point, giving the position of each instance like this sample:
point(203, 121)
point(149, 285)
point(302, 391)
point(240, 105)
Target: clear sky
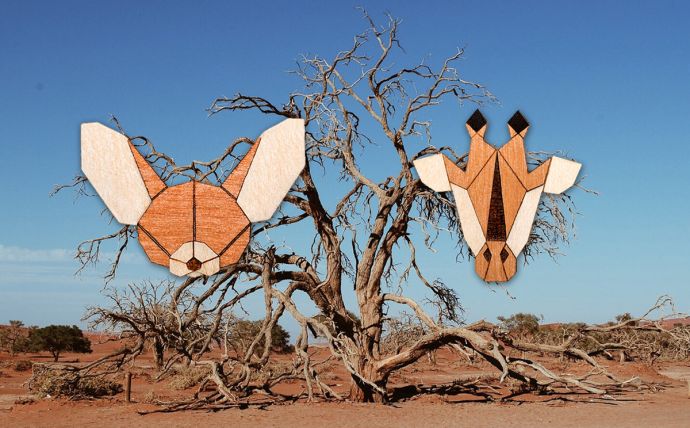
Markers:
point(606, 82)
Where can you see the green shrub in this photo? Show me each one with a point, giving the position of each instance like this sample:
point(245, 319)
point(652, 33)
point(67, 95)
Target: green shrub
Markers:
point(59, 338)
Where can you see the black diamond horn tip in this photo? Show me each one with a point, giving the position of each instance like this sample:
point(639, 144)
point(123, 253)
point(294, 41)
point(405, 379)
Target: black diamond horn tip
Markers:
point(518, 122)
point(476, 121)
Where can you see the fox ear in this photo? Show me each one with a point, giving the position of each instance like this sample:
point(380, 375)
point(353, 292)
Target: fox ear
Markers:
point(432, 172)
point(562, 175)
point(267, 172)
point(119, 173)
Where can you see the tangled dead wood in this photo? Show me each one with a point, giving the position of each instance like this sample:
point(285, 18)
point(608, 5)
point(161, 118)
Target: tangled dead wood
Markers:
point(352, 103)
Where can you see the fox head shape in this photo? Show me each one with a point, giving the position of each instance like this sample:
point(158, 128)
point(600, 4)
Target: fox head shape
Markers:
point(193, 228)
point(495, 195)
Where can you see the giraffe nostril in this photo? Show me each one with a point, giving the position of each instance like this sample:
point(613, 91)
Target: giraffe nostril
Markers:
point(194, 264)
point(504, 255)
point(487, 255)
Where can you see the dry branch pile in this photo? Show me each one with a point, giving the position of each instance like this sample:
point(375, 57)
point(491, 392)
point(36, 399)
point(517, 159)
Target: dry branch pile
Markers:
point(70, 382)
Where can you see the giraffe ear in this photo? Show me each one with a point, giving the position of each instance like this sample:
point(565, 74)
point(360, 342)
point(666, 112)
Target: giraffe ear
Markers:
point(562, 175)
point(121, 176)
point(432, 172)
point(268, 171)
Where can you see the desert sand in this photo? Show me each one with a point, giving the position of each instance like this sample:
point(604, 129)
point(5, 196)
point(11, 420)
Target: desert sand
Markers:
point(668, 407)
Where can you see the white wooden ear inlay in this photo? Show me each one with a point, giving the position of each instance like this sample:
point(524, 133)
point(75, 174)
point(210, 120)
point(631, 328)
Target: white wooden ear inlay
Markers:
point(562, 175)
point(432, 172)
point(109, 165)
point(471, 229)
point(278, 161)
point(522, 227)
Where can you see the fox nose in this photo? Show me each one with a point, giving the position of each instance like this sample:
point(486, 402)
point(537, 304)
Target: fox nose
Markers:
point(194, 264)
point(194, 259)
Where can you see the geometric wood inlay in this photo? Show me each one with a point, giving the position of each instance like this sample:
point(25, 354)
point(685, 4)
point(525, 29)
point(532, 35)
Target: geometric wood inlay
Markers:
point(513, 192)
point(480, 193)
point(233, 184)
point(496, 195)
point(153, 251)
point(170, 219)
point(218, 217)
point(108, 163)
point(154, 185)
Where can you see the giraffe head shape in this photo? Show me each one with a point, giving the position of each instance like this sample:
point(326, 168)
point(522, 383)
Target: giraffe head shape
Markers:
point(496, 195)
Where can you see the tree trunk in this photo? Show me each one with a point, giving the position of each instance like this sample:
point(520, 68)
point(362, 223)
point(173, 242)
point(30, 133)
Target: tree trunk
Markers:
point(56, 355)
point(364, 393)
point(158, 353)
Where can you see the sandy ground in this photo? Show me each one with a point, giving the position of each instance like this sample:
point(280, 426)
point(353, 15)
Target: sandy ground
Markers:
point(668, 408)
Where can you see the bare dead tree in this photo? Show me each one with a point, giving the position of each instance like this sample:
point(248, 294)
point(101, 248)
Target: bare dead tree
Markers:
point(366, 240)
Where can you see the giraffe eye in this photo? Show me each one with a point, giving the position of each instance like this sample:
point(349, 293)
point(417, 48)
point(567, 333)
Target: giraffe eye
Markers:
point(487, 255)
point(504, 255)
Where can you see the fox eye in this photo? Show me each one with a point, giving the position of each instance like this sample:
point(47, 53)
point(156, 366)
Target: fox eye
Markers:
point(504, 255)
point(487, 255)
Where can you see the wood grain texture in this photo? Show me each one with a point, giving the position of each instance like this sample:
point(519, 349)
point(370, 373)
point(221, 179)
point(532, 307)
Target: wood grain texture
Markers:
point(495, 271)
point(153, 251)
point(480, 133)
point(203, 252)
point(537, 177)
point(509, 264)
point(178, 268)
point(233, 184)
point(513, 192)
point(456, 175)
point(108, 163)
point(154, 185)
point(432, 172)
point(488, 264)
point(480, 192)
point(218, 217)
point(522, 227)
point(233, 253)
point(513, 152)
point(481, 153)
point(278, 161)
point(210, 267)
point(471, 229)
point(170, 220)
point(184, 253)
point(562, 175)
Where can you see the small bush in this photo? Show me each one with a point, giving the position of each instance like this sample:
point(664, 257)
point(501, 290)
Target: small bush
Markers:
point(187, 377)
point(23, 365)
point(67, 382)
point(243, 332)
point(151, 398)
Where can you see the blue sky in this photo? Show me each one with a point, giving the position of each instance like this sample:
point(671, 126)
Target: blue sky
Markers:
point(607, 83)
